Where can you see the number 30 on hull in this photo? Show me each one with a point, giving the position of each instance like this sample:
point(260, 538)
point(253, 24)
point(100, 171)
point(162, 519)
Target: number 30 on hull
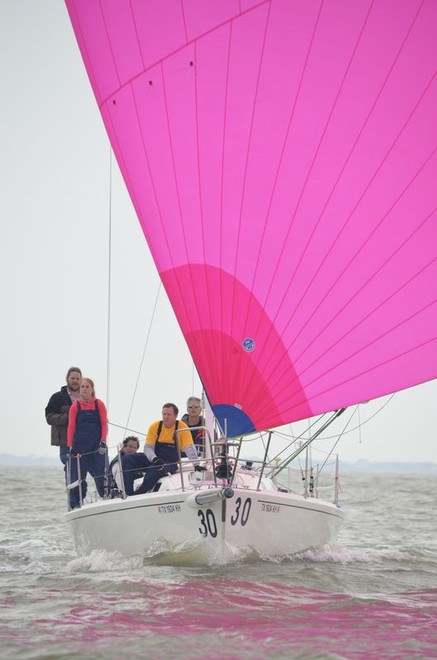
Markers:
point(239, 516)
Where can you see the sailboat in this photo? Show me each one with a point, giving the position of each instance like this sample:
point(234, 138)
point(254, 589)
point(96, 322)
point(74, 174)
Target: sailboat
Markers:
point(281, 159)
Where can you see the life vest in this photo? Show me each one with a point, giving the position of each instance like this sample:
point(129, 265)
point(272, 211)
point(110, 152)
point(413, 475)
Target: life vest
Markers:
point(88, 430)
point(166, 451)
point(158, 433)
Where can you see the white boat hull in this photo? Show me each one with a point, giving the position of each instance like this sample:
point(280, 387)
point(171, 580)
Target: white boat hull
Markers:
point(267, 522)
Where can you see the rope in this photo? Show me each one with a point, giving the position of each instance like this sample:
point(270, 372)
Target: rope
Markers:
point(126, 428)
point(108, 330)
point(330, 437)
point(339, 438)
point(143, 356)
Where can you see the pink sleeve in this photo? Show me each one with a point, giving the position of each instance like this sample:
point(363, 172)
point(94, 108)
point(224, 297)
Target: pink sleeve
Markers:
point(72, 414)
point(103, 419)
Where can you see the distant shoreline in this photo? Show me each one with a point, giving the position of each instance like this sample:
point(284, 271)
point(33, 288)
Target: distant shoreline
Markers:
point(420, 467)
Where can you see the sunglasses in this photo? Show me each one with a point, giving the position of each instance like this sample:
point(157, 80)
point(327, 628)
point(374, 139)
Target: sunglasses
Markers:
point(193, 406)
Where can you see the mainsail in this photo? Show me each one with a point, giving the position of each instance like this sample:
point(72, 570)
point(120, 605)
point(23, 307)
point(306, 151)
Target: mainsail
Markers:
point(281, 158)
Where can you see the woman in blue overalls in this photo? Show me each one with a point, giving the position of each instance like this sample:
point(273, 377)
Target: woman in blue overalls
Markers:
point(86, 439)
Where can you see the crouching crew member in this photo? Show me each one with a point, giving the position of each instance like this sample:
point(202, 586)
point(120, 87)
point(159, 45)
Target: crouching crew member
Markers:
point(130, 445)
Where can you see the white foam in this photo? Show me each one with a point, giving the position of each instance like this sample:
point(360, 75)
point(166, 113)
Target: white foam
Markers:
point(343, 555)
point(100, 560)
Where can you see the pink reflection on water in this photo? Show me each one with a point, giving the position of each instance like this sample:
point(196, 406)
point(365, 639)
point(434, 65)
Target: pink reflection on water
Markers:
point(266, 616)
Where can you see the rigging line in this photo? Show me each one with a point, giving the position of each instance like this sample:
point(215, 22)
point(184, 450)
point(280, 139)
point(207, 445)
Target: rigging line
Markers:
point(260, 435)
point(125, 428)
point(293, 441)
point(193, 376)
point(108, 329)
point(359, 425)
point(153, 183)
point(357, 408)
point(144, 353)
point(330, 437)
point(310, 440)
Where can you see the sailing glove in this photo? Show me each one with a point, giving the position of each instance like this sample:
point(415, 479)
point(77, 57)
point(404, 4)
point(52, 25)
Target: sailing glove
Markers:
point(102, 447)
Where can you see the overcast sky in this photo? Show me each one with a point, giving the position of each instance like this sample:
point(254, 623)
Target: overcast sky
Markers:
point(54, 209)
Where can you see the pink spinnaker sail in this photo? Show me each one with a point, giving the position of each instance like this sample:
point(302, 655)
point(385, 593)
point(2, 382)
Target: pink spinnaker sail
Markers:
point(281, 158)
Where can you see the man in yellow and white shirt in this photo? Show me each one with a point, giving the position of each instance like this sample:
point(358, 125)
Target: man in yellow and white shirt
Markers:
point(165, 440)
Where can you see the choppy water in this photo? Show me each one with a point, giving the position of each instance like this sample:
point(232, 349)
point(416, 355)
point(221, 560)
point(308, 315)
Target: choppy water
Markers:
point(371, 595)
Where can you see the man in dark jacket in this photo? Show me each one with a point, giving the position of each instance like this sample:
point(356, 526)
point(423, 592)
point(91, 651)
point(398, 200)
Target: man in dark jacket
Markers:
point(57, 411)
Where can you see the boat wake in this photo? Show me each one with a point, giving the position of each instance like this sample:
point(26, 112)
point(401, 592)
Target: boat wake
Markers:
point(163, 553)
point(339, 554)
point(98, 561)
